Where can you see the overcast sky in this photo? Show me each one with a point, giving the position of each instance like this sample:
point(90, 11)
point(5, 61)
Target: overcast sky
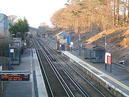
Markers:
point(36, 11)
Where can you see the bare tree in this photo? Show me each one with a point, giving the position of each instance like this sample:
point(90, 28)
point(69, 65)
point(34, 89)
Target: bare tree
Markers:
point(117, 11)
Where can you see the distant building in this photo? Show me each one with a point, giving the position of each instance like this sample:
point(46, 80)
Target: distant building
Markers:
point(4, 24)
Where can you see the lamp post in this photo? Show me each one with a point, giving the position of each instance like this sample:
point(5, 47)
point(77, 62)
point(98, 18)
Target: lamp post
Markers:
point(76, 13)
point(105, 45)
point(108, 57)
point(105, 41)
point(79, 38)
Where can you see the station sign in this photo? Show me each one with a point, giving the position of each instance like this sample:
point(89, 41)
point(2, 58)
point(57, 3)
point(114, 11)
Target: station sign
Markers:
point(14, 76)
point(108, 58)
point(11, 50)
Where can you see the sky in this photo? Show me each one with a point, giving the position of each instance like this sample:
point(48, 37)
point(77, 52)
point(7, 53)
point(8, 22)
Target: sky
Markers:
point(35, 11)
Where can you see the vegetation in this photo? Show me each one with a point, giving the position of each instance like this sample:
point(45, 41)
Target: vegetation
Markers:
point(107, 32)
point(89, 14)
point(100, 22)
point(19, 28)
point(84, 16)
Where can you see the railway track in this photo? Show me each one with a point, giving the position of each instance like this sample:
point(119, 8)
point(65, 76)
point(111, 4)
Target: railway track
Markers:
point(61, 78)
point(76, 74)
point(54, 84)
point(73, 70)
point(59, 85)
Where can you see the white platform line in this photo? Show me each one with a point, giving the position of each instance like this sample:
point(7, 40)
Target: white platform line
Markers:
point(42, 92)
point(90, 68)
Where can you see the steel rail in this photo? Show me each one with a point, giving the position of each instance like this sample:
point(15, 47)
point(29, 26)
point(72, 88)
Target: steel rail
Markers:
point(58, 76)
point(78, 73)
point(43, 70)
point(74, 82)
point(84, 78)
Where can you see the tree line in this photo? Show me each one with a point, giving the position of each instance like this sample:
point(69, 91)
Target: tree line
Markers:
point(89, 15)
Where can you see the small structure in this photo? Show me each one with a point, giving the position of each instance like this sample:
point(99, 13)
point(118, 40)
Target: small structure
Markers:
point(64, 40)
point(14, 55)
point(89, 53)
point(99, 54)
point(15, 51)
point(94, 53)
point(61, 40)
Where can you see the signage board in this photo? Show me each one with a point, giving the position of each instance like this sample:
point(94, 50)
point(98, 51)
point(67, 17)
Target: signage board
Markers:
point(11, 50)
point(14, 76)
point(108, 58)
point(71, 44)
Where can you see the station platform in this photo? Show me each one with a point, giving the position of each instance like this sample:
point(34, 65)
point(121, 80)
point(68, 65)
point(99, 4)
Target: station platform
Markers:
point(116, 82)
point(35, 87)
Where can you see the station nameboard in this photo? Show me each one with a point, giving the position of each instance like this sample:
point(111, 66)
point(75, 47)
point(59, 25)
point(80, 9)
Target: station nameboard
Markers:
point(14, 76)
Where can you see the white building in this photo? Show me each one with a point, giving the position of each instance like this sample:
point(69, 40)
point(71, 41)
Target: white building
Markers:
point(4, 24)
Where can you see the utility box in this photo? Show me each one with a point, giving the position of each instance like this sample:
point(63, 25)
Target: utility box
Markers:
point(89, 54)
point(99, 54)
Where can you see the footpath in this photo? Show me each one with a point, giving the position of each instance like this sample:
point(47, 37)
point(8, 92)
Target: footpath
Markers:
point(35, 87)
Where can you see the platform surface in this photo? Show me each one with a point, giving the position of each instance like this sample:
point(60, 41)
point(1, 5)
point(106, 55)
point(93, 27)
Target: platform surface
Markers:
point(118, 79)
point(33, 88)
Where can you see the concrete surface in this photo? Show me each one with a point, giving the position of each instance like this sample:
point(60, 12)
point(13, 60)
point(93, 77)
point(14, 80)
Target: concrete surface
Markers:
point(32, 88)
point(111, 80)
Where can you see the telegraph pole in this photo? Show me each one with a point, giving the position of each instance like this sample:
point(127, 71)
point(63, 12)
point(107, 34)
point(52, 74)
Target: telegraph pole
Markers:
point(105, 45)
